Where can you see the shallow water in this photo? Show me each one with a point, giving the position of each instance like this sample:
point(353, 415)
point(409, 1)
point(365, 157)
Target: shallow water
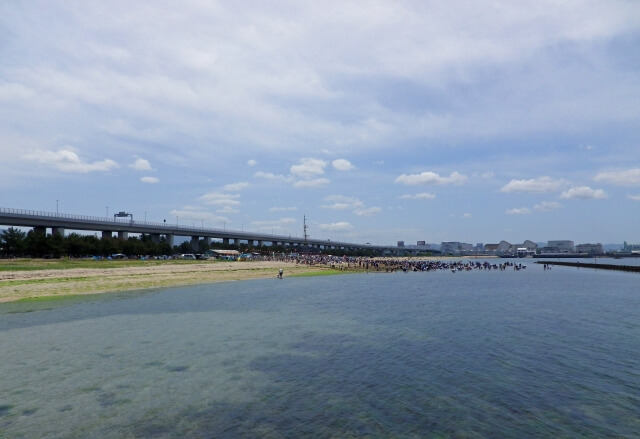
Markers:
point(477, 354)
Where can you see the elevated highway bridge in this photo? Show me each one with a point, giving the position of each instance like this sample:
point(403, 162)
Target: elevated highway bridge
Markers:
point(124, 224)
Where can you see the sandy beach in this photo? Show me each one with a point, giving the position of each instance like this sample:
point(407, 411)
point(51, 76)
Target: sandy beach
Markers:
point(17, 285)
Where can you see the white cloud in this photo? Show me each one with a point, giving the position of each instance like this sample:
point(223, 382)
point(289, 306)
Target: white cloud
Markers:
point(369, 211)
point(336, 227)
point(541, 184)
point(420, 196)
point(141, 165)
point(220, 199)
point(308, 168)
point(150, 180)
point(547, 206)
point(336, 206)
point(66, 160)
point(194, 216)
point(431, 178)
point(272, 176)
point(236, 187)
point(282, 209)
point(583, 193)
point(251, 162)
point(340, 202)
point(630, 177)
point(227, 210)
point(342, 165)
point(518, 211)
point(318, 182)
point(466, 215)
point(274, 226)
point(634, 197)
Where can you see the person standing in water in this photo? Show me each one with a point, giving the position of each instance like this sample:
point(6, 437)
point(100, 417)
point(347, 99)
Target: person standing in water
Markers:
point(280, 273)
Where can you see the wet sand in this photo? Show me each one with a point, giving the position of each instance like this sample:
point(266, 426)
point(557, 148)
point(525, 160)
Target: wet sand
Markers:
point(17, 285)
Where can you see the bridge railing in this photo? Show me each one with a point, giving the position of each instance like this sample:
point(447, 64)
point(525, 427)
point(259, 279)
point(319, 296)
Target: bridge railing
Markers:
point(188, 230)
point(99, 219)
point(57, 215)
point(124, 221)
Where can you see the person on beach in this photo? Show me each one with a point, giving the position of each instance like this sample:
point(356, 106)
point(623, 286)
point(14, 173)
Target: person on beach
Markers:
point(280, 273)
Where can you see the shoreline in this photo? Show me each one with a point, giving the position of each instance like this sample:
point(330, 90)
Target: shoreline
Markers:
point(41, 279)
point(17, 285)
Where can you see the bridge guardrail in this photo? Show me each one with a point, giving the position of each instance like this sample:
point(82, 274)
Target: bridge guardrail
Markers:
point(164, 225)
point(97, 219)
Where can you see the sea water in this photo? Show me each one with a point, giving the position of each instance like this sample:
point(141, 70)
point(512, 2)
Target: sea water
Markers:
point(477, 354)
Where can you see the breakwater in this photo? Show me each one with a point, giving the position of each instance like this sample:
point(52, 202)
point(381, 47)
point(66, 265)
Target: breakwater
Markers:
point(631, 268)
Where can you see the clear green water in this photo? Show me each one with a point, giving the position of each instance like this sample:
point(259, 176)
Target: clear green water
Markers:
point(406, 355)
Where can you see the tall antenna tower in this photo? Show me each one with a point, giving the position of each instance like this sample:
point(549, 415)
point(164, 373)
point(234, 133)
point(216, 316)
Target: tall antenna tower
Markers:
point(305, 228)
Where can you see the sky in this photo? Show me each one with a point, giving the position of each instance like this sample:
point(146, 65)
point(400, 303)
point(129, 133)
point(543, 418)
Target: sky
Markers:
point(377, 121)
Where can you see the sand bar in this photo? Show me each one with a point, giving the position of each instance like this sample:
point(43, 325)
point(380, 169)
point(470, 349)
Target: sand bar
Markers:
point(17, 285)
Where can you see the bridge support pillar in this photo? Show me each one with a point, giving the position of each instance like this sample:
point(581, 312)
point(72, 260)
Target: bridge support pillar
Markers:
point(260, 243)
point(207, 241)
point(225, 241)
point(57, 231)
point(40, 230)
point(169, 239)
point(123, 235)
point(155, 238)
point(107, 234)
point(195, 243)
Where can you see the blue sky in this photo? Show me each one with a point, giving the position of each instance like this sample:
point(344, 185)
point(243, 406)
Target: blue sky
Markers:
point(379, 121)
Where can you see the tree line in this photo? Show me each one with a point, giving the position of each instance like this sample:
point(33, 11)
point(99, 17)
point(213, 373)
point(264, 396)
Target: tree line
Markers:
point(16, 243)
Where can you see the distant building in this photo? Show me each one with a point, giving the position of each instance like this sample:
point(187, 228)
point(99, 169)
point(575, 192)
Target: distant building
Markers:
point(529, 245)
point(627, 247)
point(490, 248)
point(561, 246)
point(456, 248)
point(590, 249)
point(422, 247)
point(507, 249)
point(400, 243)
point(465, 247)
point(450, 248)
point(504, 247)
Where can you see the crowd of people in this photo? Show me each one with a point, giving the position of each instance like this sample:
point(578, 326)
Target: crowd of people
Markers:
point(390, 265)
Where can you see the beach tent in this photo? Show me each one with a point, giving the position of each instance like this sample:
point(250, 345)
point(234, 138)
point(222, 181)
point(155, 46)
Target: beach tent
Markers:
point(223, 254)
